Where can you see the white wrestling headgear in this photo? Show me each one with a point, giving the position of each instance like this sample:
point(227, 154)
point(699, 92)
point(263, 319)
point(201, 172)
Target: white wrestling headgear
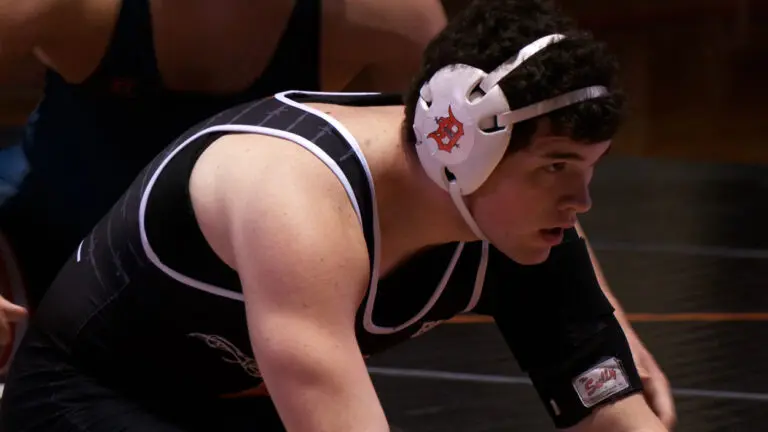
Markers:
point(466, 132)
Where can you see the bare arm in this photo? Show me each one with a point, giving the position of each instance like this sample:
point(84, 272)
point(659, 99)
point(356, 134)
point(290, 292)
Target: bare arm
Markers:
point(298, 248)
point(625, 415)
point(402, 31)
point(22, 24)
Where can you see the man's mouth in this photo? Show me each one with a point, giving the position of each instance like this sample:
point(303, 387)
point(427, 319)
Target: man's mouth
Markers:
point(552, 235)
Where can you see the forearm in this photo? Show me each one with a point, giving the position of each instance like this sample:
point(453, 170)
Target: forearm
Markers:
point(319, 384)
point(320, 401)
point(627, 415)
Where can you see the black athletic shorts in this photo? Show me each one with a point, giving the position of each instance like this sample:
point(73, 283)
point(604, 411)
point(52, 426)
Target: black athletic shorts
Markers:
point(46, 392)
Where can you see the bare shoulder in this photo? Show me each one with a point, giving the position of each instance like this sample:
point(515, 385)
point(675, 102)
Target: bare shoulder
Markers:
point(261, 199)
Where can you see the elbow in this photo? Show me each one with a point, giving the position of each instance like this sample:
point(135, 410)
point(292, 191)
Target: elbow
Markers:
point(309, 361)
point(13, 46)
point(322, 388)
point(293, 370)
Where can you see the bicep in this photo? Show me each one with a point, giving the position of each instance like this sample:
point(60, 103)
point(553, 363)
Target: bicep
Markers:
point(301, 295)
point(303, 278)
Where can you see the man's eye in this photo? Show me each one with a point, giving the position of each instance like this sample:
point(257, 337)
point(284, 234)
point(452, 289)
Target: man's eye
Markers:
point(555, 167)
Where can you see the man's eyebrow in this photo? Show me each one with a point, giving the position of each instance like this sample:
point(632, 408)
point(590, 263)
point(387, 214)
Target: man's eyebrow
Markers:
point(563, 155)
point(572, 156)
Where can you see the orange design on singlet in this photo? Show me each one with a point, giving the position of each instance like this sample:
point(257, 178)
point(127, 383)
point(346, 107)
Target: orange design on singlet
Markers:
point(448, 132)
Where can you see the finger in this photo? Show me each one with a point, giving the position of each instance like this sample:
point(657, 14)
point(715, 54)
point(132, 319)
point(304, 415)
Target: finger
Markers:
point(659, 396)
point(5, 330)
point(13, 312)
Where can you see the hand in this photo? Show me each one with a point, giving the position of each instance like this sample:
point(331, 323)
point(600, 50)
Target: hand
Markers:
point(657, 391)
point(9, 313)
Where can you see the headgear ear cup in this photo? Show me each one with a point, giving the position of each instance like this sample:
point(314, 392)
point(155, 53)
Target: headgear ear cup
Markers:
point(448, 131)
point(463, 123)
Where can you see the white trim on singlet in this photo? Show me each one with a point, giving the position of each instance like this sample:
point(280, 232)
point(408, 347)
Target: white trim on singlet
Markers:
point(368, 323)
point(479, 279)
point(204, 286)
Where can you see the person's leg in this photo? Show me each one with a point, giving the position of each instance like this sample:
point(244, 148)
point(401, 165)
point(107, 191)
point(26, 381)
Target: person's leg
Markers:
point(13, 168)
point(44, 393)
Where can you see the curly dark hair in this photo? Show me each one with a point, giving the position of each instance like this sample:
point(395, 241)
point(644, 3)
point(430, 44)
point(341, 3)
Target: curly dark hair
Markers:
point(489, 32)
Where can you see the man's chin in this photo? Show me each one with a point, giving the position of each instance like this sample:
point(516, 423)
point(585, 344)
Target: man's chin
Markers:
point(529, 256)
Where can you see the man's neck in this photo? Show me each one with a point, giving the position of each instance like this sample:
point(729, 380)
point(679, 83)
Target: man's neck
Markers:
point(414, 212)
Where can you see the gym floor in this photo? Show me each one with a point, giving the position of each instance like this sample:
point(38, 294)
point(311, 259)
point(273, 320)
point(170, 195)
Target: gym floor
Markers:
point(684, 248)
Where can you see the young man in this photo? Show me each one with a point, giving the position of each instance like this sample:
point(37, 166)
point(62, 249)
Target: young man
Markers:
point(242, 279)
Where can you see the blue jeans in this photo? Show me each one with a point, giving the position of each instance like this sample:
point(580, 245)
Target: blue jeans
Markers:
point(13, 168)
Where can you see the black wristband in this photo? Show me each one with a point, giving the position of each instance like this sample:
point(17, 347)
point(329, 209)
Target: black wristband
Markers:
point(601, 372)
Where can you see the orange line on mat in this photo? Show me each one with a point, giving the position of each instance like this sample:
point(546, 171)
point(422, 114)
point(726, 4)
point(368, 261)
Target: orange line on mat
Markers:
point(649, 317)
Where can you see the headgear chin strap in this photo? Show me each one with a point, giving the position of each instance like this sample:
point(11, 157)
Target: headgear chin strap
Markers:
point(463, 123)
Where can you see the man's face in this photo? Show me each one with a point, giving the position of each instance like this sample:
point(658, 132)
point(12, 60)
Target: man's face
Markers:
point(535, 194)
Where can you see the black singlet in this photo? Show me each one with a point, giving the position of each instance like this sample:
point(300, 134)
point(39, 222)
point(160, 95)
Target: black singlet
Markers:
point(145, 277)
